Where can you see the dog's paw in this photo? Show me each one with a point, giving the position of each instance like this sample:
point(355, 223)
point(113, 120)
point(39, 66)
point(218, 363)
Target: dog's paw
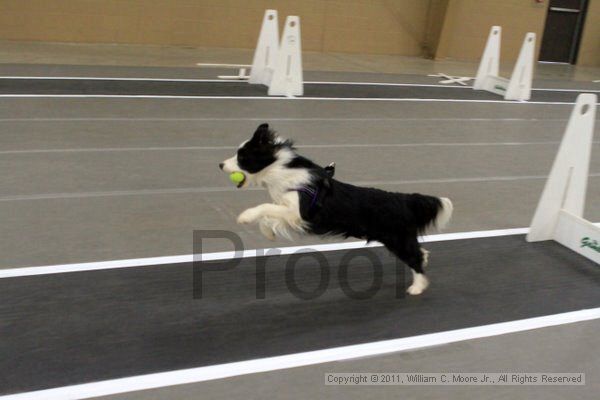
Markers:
point(414, 290)
point(420, 283)
point(248, 216)
point(266, 231)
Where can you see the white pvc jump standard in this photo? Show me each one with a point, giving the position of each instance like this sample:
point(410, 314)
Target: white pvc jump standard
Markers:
point(287, 78)
point(559, 214)
point(519, 85)
point(267, 48)
point(278, 64)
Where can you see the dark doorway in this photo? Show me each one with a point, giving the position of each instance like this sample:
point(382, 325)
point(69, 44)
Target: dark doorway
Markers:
point(564, 25)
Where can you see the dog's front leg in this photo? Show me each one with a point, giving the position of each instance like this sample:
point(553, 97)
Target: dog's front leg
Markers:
point(249, 216)
point(253, 214)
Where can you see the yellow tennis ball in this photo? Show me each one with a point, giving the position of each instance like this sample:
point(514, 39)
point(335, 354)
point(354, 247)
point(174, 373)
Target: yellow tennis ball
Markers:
point(237, 177)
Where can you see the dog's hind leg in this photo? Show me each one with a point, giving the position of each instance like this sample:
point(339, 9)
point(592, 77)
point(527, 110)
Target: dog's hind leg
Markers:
point(420, 283)
point(416, 258)
point(425, 257)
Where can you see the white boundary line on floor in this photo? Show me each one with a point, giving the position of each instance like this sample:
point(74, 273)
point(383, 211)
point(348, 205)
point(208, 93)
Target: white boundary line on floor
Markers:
point(217, 189)
point(214, 65)
point(445, 86)
point(81, 78)
point(226, 255)
point(336, 354)
point(304, 98)
point(334, 119)
point(99, 78)
point(304, 146)
point(349, 83)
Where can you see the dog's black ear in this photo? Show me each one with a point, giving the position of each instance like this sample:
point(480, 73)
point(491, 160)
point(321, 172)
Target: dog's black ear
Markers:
point(263, 134)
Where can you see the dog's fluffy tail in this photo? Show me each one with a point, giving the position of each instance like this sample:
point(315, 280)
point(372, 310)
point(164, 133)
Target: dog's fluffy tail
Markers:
point(444, 213)
point(431, 212)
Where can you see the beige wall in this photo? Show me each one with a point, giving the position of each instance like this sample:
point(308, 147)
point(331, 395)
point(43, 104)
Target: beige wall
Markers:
point(442, 29)
point(435, 23)
point(468, 23)
point(366, 26)
point(589, 49)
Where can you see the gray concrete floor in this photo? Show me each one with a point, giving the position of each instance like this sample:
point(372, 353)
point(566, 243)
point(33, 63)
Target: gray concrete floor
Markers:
point(100, 179)
point(557, 349)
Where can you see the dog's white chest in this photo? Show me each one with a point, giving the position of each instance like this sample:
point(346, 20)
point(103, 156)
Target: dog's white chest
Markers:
point(283, 198)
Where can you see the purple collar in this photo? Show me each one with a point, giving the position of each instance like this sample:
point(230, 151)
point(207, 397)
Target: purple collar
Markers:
point(314, 193)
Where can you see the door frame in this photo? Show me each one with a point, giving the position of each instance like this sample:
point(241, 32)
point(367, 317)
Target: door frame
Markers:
point(576, 42)
point(578, 32)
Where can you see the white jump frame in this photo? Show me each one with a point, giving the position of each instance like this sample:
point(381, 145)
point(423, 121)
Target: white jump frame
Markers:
point(518, 87)
point(278, 63)
point(559, 214)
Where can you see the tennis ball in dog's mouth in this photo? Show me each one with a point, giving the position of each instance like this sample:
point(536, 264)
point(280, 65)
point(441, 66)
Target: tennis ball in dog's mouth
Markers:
point(237, 178)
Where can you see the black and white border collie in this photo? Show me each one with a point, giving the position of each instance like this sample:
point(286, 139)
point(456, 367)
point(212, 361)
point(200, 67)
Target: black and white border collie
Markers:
point(306, 199)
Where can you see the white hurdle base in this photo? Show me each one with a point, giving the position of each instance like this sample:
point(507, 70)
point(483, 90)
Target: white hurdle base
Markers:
point(518, 87)
point(240, 76)
point(495, 84)
point(578, 234)
point(559, 214)
point(448, 79)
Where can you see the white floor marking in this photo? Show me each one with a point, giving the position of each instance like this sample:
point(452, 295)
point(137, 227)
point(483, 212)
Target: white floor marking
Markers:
point(456, 180)
point(92, 266)
point(306, 146)
point(99, 78)
point(218, 189)
point(116, 193)
point(385, 84)
point(336, 354)
point(273, 98)
point(226, 255)
point(80, 78)
point(142, 119)
point(565, 90)
point(348, 83)
point(213, 65)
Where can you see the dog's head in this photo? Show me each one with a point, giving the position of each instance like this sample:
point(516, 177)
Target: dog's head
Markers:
point(255, 156)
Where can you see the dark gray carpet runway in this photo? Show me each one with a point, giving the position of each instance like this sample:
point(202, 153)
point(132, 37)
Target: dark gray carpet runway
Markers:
point(238, 89)
point(70, 328)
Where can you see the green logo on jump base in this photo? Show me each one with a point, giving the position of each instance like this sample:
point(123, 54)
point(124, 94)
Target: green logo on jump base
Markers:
point(592, 244)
